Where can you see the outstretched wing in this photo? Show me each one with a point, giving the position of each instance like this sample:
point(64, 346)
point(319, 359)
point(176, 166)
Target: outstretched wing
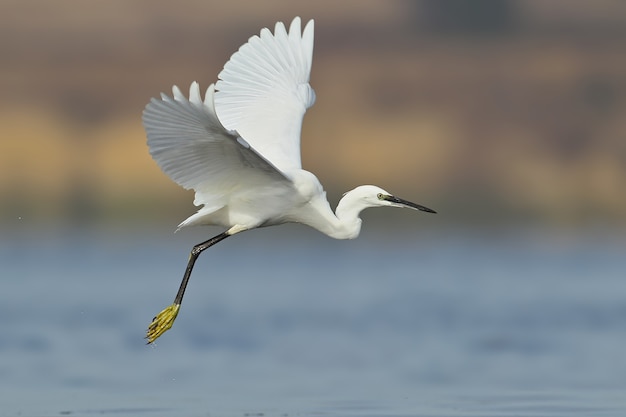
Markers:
point(263, 91)
point(191, 146)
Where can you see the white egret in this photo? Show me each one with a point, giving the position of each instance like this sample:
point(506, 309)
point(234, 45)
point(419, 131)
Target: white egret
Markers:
point(239, 150)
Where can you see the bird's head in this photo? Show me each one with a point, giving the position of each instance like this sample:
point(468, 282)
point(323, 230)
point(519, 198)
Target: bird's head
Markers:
point(373, 196)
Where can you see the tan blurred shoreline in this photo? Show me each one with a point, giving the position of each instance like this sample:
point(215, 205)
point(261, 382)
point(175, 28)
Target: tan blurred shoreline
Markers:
point(529, 126)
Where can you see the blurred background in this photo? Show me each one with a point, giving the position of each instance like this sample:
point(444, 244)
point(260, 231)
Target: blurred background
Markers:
point(505, 116)
point(495, 113)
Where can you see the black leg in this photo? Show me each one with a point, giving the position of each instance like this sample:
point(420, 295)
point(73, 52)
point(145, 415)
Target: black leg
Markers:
point(195, 252)
point(163, 321)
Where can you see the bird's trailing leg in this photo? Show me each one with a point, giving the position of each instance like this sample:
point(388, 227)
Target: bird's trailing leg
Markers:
point(163, 321)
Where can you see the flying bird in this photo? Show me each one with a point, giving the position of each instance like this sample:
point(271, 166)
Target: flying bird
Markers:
point(239, 150)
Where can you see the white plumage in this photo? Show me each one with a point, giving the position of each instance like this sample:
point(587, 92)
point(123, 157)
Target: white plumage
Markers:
point(239, 149)
point(263, 92)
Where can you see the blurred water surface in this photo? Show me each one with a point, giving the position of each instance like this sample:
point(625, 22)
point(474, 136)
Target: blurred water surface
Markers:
point(445, 325)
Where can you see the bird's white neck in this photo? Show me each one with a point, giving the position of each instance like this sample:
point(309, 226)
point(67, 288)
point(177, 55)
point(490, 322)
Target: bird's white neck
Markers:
point(348, 223)
point(344, 223)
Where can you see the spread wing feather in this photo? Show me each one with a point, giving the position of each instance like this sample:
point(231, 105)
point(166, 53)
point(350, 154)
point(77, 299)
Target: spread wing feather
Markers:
point(263, 91)
point(191, 146)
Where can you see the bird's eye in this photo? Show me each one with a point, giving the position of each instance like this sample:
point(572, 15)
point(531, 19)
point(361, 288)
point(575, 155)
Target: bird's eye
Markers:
point(380, 196)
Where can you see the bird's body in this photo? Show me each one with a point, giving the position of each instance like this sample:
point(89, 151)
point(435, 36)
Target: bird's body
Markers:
point(239, 149)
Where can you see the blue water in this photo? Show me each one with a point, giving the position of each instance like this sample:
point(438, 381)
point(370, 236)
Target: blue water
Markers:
point(285, 322)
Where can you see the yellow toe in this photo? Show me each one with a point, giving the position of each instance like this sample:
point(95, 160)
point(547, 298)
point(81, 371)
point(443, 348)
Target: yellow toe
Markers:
point(162, 322)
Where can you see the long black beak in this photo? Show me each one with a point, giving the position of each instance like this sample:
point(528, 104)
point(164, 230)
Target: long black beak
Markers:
point(405, 203)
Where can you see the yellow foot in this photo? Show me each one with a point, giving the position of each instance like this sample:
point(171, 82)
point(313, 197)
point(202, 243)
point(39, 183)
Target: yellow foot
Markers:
point(162, 322)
